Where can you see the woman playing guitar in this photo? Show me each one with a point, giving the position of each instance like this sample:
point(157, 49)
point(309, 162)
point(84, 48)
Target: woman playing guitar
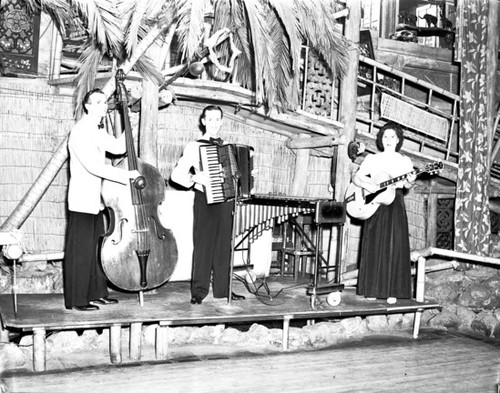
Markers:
point(384, 271)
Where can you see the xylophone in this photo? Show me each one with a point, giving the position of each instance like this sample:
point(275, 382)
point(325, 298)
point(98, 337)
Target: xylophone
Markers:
point(262, 211)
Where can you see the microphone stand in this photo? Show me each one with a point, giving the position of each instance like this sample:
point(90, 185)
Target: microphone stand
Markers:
point(229, 308)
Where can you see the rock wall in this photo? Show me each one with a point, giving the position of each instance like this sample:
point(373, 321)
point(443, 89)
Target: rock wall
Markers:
point(470, 298)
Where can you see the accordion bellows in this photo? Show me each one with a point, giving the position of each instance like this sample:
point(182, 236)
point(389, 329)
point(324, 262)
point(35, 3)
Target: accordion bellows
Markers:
point(230, 171)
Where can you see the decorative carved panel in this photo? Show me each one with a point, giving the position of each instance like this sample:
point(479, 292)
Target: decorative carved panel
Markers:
point(494, 222)
point(445, 220)
point(318, 87)
point(19, 34)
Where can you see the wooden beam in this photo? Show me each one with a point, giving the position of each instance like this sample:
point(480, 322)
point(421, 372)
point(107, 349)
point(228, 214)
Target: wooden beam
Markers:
point(431, 230)
point(495, 206)
point(289, 124)
point(301, 171)
point(148, 146)
point(162, 340)
point(348, 100)
point(135, 341)
point(315, 142)
point(115, 338)
point(435, 189)
point(39, 349)
point(496, 148)
point(388, 11)
point(491, 77)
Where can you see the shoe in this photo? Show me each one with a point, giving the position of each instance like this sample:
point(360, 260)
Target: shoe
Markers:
point(196, 300)
point(104, 300)
point(234, 296)
point(88, 307)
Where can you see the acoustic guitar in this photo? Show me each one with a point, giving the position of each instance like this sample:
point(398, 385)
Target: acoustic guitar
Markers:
point(362, 204)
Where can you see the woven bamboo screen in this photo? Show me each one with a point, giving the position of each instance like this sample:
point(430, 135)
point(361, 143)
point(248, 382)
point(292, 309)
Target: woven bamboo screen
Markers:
point(274, 162)
point(33, 121)
point(412, 117)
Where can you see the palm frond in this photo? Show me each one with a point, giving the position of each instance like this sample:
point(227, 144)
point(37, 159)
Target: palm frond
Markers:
point(259, 38)
point(190, 24)
point(102, 21)
point(227, 14)
point(145, 66)
point(133, 15)
point(286, 42)
point(323, 33)
point(58, 10)
point(85, 80)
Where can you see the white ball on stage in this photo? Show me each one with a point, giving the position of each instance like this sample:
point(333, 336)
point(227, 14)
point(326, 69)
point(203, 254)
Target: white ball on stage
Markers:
point(333, 299)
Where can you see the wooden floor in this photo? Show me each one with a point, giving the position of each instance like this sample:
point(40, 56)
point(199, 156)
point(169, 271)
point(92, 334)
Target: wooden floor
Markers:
point(436, 362)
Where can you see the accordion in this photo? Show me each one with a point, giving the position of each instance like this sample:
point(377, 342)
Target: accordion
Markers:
point(229, 168)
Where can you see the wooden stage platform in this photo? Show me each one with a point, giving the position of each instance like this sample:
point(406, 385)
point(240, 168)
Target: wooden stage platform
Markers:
point(170, 306)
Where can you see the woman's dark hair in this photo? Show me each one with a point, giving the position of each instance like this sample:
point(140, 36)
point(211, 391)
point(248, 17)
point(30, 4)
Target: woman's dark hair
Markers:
point(86, 98)
point(209, 108)
point(390, 126)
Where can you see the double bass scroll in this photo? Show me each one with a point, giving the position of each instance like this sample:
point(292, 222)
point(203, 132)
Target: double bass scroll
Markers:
point(137, 252)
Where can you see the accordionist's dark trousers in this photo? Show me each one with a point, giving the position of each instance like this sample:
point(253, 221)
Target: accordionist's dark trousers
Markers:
point(84, 279)
point(212, 231)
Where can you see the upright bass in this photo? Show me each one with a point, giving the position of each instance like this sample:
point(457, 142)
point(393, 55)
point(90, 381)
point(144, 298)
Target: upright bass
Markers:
point(137, 252)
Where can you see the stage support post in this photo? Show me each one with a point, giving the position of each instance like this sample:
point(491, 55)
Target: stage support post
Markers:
point(419, 296)
point(286, 331)
point(162, 340)
point(115, 338)
point(135, 341)
point(39, 353)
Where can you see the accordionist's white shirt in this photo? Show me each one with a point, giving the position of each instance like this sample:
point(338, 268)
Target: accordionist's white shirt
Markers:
point(182, 173)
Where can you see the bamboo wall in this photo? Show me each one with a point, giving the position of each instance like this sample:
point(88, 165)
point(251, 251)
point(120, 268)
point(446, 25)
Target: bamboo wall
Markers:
point(275, 163)
point(35, 118)
point(33, 122)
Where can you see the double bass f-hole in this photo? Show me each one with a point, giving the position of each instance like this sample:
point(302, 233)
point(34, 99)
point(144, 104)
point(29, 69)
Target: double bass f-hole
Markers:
point(120, 232)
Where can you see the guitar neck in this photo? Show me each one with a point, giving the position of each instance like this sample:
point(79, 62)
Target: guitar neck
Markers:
point(399, 178)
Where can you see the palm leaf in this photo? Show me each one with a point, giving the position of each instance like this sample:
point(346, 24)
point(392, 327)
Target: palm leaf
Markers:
point(103, 23)
point(323, 34)
point(260, 40)
point(58, 10)
point(137, 15)
point(190, 23)
point(286, 44)
point(89, 62)
point(228, 14)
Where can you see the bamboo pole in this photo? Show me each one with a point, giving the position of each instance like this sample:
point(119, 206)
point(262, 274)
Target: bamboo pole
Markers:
point(491, 72)
point(316, 142)
point(299, 183)
point(348, 98)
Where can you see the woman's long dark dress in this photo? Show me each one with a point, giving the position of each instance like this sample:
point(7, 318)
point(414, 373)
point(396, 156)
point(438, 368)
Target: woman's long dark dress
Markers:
point(385, 268)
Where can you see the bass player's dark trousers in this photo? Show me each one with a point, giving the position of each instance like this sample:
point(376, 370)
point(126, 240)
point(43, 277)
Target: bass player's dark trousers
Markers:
point(84, 279)
point(212, 231)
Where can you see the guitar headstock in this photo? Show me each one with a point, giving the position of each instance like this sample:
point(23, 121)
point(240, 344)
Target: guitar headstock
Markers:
point(434, 167)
